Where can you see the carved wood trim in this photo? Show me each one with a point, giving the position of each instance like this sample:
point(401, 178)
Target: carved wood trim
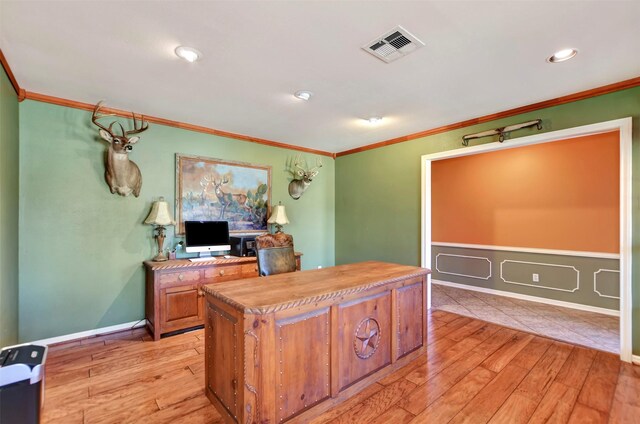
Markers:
point(251, 388)
point(185, 263)
point(308, 300)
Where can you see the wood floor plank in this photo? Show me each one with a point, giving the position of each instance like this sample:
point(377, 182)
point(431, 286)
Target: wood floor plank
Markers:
point(423, 396)
point(501, 357)
point(376, 404)
point(556, 405)
point(575, 370)
point(532, 352)
point(205, 415)
point(584, 415)
point(456, 398)
point(394, 415)
point(515, 410)
point(466, 330)
point(487, 402)
point(443, 315)
point(348, 404)
point(626, 400)
point(121, 412)
point(600, 384)
point(142, 358)
point(494, 342)
point(437, 362)
point(177, 410)
point(544, 372)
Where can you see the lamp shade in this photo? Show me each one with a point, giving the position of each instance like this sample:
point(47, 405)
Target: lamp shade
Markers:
point(278, 216)
point(160, 214)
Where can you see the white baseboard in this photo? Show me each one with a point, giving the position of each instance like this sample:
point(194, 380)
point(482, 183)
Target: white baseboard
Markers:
point(89, 333)
point(635, 359)
point(561, 303)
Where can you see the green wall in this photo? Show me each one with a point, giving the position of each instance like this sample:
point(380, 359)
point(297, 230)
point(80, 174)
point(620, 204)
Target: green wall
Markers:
point(378, 191)
point(81, 247)
point(9, 159)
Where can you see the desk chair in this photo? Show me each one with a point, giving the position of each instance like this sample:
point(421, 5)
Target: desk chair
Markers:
point(275, 254)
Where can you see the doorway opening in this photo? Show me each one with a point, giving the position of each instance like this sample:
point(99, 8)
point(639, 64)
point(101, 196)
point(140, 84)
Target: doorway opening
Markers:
point(434, 258)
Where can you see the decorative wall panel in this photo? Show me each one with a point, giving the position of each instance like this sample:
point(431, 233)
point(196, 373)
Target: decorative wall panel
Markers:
point(566, 276)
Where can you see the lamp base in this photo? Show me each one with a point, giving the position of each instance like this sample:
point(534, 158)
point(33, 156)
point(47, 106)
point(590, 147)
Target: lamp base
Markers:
point(160, 257)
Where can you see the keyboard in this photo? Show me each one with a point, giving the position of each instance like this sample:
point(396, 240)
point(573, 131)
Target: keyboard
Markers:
point(207, 259)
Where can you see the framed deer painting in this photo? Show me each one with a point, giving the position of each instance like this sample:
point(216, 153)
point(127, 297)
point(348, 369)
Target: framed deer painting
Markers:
point(217, 190)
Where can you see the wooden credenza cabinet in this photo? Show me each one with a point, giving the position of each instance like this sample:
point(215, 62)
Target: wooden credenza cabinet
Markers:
point(174, 297)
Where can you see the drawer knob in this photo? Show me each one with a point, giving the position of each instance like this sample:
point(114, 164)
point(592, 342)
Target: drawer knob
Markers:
point(255, 269)
point(181, 277)
point(200, 293)
point(222, 272)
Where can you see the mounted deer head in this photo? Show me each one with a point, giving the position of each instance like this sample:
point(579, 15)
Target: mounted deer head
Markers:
point(123, 176)
point(302, 177)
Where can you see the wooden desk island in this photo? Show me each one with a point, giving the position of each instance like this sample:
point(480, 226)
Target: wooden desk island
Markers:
point(290, 346)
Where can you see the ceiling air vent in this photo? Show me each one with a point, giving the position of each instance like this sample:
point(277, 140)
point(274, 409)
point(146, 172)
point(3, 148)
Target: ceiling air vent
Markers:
point(393, 45)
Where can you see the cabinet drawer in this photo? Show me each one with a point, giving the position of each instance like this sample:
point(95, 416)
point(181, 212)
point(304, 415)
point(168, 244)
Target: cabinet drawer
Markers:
point(250, 270)
point(167, 278)
point(222, 273)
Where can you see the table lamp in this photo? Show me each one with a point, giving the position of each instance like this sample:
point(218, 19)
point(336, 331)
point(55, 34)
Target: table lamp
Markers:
point(160, 217)
point(278, 217)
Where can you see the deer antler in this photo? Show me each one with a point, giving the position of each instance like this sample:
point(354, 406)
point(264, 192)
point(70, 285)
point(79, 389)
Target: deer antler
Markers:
point(318, 166)
point(143, 125)
point(96, 115)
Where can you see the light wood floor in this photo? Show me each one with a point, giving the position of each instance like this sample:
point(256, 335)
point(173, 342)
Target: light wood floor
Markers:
point(474, 372)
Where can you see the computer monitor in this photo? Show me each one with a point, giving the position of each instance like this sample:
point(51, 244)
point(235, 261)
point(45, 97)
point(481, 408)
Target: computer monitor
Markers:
point(206, 236)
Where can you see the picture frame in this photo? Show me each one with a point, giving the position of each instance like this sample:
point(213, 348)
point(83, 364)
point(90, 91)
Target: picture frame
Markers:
point(209, 189)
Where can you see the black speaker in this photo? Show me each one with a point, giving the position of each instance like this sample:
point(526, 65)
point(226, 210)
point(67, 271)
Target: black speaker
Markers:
point(243, 245)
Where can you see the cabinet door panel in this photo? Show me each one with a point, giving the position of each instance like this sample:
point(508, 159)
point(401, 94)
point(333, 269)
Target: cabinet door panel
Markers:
point(364, 341)
point(181, 307)
point(303, 362)
point(222, 351)
point(410, 317)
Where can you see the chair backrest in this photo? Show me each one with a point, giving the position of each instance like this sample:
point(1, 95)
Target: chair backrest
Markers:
point(275, 254)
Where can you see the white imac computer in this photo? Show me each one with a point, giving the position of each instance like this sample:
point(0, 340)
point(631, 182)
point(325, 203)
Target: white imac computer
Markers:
point(205, 237)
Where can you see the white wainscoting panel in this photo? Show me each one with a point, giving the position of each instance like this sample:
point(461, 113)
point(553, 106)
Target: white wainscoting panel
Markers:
point(474, 258)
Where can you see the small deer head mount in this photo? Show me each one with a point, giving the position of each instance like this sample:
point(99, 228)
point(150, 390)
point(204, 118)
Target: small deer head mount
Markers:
point(123, 176)
point(302, 177)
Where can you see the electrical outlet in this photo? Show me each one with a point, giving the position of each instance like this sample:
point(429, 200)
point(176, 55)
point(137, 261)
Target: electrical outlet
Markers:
point(319, 266)
point(536, 278)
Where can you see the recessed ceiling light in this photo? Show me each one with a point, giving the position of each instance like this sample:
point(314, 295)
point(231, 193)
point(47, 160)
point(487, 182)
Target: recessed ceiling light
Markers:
point(562, 55)
point(303, 94)
point(188, 53)
point(374, 120)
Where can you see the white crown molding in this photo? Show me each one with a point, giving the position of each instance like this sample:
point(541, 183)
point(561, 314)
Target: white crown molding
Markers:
point(90, 333)
point(578, 253)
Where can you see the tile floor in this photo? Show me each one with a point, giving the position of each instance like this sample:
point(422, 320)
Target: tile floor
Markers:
point(588, 329)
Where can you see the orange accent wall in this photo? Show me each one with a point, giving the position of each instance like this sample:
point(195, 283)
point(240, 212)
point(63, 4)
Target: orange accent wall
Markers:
point(562, 195)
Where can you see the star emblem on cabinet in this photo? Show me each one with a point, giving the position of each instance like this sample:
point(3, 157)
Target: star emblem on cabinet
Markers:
point(367, 338)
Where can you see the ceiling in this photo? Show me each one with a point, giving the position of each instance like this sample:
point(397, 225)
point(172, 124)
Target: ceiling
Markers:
point(480, 57)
